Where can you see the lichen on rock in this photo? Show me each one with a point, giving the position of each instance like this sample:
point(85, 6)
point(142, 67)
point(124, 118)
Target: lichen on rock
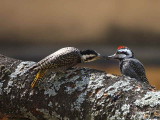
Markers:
point(79, 93)
point(150, 99)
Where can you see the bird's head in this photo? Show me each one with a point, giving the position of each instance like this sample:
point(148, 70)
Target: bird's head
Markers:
point(122, 52)
point(89, 55)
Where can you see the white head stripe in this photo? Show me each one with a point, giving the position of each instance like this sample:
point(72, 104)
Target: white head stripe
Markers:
point(128, 51)
point(125, 50)
point(87, 56)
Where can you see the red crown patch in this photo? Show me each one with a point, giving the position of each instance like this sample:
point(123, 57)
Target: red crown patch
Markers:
point(121, 47)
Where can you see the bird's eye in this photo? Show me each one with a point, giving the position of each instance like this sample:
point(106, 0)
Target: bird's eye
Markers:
point(125, 53)
point(118, 52)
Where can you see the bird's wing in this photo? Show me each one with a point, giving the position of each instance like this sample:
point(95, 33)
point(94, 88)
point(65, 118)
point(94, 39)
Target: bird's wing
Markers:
point(60, 61)
point(126, 69)
point(138, 69)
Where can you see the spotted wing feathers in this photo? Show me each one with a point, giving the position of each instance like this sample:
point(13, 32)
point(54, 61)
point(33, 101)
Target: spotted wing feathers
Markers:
point(135, 69)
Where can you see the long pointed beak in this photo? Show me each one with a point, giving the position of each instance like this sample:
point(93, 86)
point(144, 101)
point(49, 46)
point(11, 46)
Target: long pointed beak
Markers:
point(114, 56)
point(104, 57)
point(99, 57)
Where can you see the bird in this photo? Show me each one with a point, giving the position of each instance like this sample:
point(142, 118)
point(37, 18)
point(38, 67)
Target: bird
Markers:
point(61, 60)
point(129, 65)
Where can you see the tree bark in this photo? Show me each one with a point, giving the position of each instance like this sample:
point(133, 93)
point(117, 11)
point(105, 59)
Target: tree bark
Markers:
point(78, 94)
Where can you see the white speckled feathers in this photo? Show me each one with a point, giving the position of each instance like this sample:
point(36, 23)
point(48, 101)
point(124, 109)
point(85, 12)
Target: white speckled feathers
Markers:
point(133, 68)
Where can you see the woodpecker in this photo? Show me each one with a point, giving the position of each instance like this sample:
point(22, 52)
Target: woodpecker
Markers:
point(129, 65)
point(62, 60)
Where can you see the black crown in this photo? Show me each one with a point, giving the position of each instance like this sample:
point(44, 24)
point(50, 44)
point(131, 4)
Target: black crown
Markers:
point(88, 52)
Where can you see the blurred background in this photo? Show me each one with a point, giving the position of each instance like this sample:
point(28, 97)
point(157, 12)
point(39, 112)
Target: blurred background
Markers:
point(30, 30)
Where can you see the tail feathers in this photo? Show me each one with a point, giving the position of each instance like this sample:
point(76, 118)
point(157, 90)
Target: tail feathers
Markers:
point(39, 76)
point(144, 79)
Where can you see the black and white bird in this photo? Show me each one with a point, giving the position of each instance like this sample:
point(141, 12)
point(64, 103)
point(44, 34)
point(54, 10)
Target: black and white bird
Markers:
point(62, 60)
point(129, 65)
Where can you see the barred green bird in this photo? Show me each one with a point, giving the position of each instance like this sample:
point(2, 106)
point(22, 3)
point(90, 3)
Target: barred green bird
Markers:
point(62, 60)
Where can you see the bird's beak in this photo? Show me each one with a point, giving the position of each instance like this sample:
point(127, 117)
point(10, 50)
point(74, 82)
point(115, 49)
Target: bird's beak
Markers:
point(104, 57)
point(114, 56)
point(99, 57)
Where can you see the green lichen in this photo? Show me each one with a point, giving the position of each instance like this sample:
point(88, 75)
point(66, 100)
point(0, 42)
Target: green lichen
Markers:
point(116, 116)
point(55, 82)
point(77, 104)
point(125, 109)
point(21, 69)
point(125, 84)
point(7, 89)
point(79, 85)
point(51, 92)
point(150, 99)
point(139, 116)
point(95, 81)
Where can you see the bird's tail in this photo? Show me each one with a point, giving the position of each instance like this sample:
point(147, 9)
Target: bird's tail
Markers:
point(145, 80)
point(39, 76)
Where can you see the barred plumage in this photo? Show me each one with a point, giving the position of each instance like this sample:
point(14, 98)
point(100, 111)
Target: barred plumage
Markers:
point(62, 60)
